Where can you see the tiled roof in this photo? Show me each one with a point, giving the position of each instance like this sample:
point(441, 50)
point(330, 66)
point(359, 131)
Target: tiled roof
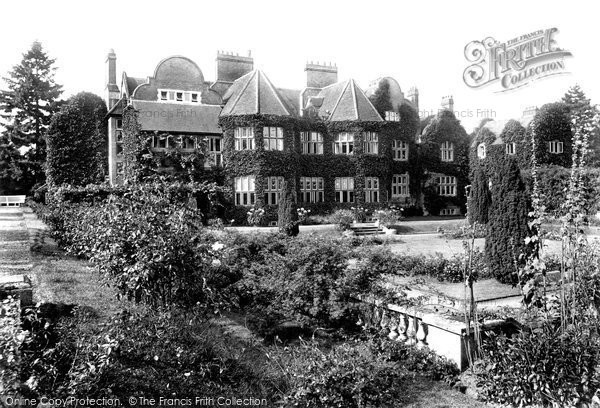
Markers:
point(346, 101)
point(292, 98)
point(177, 117)
point(254, 93)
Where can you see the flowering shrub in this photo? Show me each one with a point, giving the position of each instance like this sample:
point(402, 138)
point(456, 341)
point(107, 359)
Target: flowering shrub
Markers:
point(359, 213)
point(342, 219)
point(255, 216)
point(389, 217)
point(11, 338)
point(303, 214)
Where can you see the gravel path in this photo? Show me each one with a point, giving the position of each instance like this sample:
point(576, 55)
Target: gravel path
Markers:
point(15, 257)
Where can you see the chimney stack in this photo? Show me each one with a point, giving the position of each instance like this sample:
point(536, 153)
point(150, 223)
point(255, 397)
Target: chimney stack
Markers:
point(231, 67)
point(112, 89)
point(320, 75)
point(413, 97)
point(448, 103)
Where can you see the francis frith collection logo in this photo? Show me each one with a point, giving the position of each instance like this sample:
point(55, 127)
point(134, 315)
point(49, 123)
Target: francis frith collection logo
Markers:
point(514, 63)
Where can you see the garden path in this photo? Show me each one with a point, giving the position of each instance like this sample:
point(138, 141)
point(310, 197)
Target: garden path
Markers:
point(15, 257)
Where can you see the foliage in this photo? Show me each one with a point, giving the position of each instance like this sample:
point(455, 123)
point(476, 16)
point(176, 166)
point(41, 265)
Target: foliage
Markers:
point(444, 127)
point(541, 367)
point(303, 215)
point(388, 217)
point(27, 107)
point(348, 375)
point(343, 219)
point(287, 220)
point(147, 242)
point(552, 122)
point(255, 216)
point(508, 223)
point(514, 132)
point(11, 338)
point(580, 107)
point(76, 142)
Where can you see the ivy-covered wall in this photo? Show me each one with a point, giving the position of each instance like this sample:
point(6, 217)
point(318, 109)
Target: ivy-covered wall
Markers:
point(444, 127)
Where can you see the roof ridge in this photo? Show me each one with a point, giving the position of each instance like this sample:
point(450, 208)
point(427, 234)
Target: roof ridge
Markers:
point(241, 92)
point(339, 99)
point(276, 93)
point(355, 100)
point(369, 102)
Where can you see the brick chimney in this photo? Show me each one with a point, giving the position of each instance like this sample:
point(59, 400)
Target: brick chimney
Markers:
point(112, 89)
point(320, 75)
point(231, 67)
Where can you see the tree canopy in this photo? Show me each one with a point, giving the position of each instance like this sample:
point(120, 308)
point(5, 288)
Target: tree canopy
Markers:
point(26, 109)
point(77, 142)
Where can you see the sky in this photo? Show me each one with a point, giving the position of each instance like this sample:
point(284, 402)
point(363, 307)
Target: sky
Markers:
point(419, 43)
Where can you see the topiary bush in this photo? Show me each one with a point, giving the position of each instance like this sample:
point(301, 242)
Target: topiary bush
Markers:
point(507, 227)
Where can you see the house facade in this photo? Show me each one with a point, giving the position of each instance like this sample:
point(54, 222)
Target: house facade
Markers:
point(336, 144)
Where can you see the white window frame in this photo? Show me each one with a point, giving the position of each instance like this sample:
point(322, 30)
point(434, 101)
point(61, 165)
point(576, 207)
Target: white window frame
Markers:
point(312, 189)
point(344, 189)
point(273, 138)
point(343, 143)
point(273, 189)
point(194, 97)
point(214, 150)
point(371, 189)
point(244, 138)
point(392, 116)
point(400, 185)
point(312, 142)
point(400, 150)
point(156, 139)
point(555, 147)
point(447, 151)
point(244, 188)
point(189, 143)
point(511, 148)
point(447, 186)
point(370, 143)
point(481, 151)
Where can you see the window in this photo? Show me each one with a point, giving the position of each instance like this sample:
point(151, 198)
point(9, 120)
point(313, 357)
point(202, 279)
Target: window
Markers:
point(400, 185)
point(481, 150)
point(160, 142)
point(119, 124)
point(343, 143)
point(449, 211)
point(244, 138)
point(447, 186)
point(370, 143)
point(344, 189)
point(400, 149)
point(555, 147)
point(194, 97)
point(244, 190)
point(273, 189)
point(179, 96)
point(164, 95)
point(447, 149)
point(214, 152)
point(371, 190)
point(273, 138)
point(391, 116)
point(311, 189)
point(511, 148)
point(188, 143)
point(312, 142)
point(120, 168)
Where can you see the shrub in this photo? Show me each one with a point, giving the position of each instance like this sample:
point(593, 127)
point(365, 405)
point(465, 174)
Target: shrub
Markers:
point(388, 217)
point(508, 223)
point(342, 219)
point(541, 367)
point(349, 375)
point(255, 216)
point(287, 219)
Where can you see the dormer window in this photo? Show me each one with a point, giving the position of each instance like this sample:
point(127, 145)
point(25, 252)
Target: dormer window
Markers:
point(555, 147)
point(511, 149)
point(447, 151)
point(481, 151)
